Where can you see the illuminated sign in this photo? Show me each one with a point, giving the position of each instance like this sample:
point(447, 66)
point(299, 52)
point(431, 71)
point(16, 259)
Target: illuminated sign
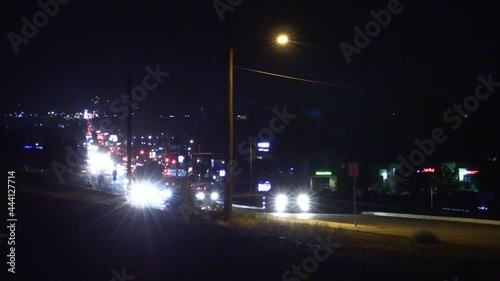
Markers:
point(428, 170)
point(462, 172)
point(266, 186)
point(323, 173)
point(263, 144)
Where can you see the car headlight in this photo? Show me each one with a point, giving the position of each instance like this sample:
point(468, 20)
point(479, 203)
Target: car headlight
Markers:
point(214, 196)
point(200, 195)
point(145, 195)
point(303, 202)
point(281, 202)
point(166, 193)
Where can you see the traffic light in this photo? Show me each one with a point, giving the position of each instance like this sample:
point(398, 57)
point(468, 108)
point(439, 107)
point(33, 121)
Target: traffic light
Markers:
point(115, 173)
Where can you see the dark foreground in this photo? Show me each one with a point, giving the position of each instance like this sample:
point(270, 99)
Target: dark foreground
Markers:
point(62, 239)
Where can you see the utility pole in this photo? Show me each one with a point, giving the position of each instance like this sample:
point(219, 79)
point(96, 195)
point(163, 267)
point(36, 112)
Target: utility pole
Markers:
point(251, 169)
point(129, 135)
point(432, 197)
point(228, 193)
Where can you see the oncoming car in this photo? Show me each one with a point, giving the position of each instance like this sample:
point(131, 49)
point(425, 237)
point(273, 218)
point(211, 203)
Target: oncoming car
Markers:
point(149, 194)
point(207, 198)
point(290, 201)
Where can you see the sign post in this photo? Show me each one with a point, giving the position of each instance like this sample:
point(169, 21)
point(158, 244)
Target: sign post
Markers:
point(354, 173)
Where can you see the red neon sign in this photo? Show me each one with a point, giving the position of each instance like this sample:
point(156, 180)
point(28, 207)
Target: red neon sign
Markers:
point(428, 170)
point(472, 172)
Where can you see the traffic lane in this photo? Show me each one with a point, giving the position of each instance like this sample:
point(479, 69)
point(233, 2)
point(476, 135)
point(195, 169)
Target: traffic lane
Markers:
point(452, 232)
point(320, 204)
point(69, 240)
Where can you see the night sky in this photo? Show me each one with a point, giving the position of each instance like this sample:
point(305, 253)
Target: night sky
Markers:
point(427, 58)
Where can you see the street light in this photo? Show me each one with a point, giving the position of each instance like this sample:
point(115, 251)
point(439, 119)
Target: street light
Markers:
point(282, 39)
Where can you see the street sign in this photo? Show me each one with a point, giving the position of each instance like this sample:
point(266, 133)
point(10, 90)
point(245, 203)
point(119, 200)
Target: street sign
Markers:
point(354, 173)
point(353, 170)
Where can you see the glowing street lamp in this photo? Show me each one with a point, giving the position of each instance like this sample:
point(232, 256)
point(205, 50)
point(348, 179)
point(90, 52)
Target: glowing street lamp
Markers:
point(282, 39)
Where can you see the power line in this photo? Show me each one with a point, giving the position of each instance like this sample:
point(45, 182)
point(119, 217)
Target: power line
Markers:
point(300, 79)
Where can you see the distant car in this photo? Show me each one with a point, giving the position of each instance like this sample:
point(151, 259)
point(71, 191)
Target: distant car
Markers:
point(290, 201)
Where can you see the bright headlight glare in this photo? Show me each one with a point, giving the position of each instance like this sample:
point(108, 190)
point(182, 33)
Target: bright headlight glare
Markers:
point(303, 202)
point(281, 202)
point(200, 195)
point(167, 193)
point(145, 195)
point(214, 196)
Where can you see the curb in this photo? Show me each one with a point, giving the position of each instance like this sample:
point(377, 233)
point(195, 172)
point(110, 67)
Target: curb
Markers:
point(424, 217)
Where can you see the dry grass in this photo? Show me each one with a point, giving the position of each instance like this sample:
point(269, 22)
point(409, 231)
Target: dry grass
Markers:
point(421, 255)
point(426, 237)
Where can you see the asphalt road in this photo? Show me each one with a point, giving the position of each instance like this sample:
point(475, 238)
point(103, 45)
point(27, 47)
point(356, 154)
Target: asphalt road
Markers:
point(487, 236)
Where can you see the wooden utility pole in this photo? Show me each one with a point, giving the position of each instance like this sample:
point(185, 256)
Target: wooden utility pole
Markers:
point(251, 169)
point(228, 194)
point(129, 135)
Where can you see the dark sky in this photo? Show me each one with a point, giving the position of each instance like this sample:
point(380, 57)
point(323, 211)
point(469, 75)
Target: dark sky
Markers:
point(436, 49)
